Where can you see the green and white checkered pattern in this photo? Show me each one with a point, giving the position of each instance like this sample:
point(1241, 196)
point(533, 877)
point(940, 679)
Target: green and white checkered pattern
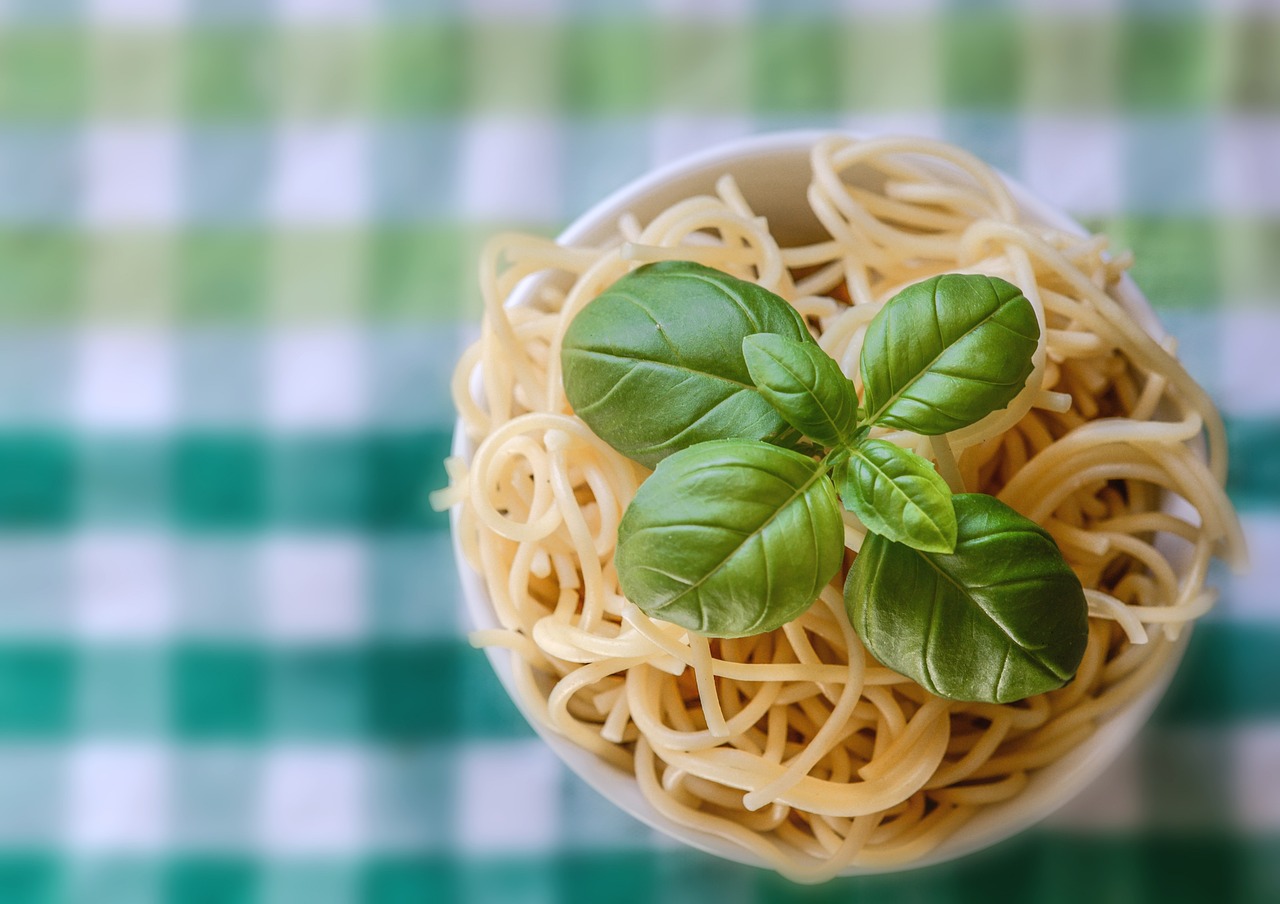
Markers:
point(237, 247)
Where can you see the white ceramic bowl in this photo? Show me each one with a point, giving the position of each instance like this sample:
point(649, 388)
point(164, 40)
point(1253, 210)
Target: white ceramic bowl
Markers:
point(773, 172)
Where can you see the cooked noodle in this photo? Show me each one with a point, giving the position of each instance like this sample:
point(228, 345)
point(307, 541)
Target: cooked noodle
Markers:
point(795, 745)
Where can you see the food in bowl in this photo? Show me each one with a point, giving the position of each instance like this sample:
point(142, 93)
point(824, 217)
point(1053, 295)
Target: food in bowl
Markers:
point(794, 746)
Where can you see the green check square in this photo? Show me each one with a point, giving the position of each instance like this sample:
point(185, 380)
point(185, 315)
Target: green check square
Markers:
point(1249, 265)
point(325, 72)
point(778, 84)
point(229, 73)
point(694, 878)
point(122, 691)
point(1176, 259)
point(93, 881)
point(135, 74)
point(622, 877)
point(317, 692)
point(410, 880)
point(1169, 62)
point(195, 879)
point(217, 691)
point(413, 690)
point(40, 276)
point(38, 480)
point(400, 468)
point(421, 68)
point(221, 276)
point(705, 68)
point(37, 684)
point(130, 277)
point(318, 275)
point(425, 273)
point(484, 708)
point(30, 878)
point(218, 481)
point(1193, 866)
point(887, 64)
point(1249, 61)
point(1064, 861)
point(527, 80)
point(609, 68)
point(982, 60)
point(1071, 64)
point(314, 882)
point(535, 880)
point(319, 482)
point(42, 72)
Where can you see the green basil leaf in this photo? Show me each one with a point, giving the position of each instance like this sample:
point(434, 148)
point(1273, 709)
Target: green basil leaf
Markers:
point(1000, 619)
point(654, 364)
point(730, 538)
point(805, 385)
point(946, 352)
point(899, 495)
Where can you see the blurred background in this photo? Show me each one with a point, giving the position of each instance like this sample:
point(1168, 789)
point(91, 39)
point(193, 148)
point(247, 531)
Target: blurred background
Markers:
point(238, 241)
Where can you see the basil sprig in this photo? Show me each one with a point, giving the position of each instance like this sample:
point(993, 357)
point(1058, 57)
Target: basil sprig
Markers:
point(707, 377)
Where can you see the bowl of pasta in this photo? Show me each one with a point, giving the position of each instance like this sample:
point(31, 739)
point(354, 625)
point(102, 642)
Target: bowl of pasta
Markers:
point(830, 503)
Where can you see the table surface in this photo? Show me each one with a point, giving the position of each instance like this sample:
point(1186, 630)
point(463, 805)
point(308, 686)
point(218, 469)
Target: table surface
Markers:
point(237, 252)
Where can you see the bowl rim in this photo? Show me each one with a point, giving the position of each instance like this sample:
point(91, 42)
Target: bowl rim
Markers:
point(1048, 788)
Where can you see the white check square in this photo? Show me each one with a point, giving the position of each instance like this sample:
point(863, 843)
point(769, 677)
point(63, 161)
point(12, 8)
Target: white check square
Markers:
point(125, 380)
point(320, 175)
point(316, 379)
point(511, 170)
point(1075, 163)
point(123, 586)
point(314, 588)
point(313, 801)
point(132, 176)
point(508, 798)
point(118, 798)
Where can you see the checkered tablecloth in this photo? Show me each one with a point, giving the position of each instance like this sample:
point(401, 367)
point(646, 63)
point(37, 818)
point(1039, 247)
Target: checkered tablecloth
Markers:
point(237, 247)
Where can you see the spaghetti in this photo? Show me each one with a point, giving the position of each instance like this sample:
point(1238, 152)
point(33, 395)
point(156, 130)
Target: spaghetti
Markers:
point(795, 744)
